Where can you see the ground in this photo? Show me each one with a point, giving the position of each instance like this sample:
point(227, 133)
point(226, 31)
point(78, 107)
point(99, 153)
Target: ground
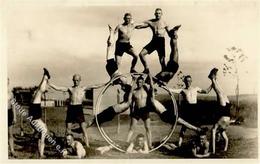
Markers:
point(243, 139)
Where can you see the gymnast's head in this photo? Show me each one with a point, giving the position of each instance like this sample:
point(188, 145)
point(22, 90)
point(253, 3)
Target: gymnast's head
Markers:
point(76, 79)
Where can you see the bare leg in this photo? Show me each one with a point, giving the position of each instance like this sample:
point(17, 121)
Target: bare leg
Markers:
point(147, 125)
point(84, 129)
point(214, 131)
point(183, 129)
point(109, 54)
point(142, 55)
point(188, 125)
point(68, 128)
point(134, 61)
point(131, 129)
point(226, 140)
point(41, 141)
point(174, 55)
point(162, 62)
point(118, 61)
point(41, 89)
point(11, 139)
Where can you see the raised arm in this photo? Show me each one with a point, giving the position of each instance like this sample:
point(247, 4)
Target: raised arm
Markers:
point(58, 88)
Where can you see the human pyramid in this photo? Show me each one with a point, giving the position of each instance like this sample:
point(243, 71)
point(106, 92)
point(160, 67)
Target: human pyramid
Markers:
point(140, 99)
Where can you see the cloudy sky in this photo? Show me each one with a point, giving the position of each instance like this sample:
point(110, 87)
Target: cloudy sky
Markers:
point(70, 38)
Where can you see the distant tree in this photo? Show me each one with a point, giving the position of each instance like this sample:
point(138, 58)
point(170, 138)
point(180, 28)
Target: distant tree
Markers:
point(234, 59)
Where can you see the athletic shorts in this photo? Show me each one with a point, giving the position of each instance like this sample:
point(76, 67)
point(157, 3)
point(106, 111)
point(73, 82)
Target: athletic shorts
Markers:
point(158, 44)
point(106, 115)
point(122, 47)
point(10, 117)
point(35, 110)
point(142, 113)
point(188, 112)
point(222, 111)
point(75, 114)
point(172, 66)
point(111, 67)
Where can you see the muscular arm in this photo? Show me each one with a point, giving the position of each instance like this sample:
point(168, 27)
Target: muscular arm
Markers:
point(142, 25)
point(95, 86)
point(58, 88)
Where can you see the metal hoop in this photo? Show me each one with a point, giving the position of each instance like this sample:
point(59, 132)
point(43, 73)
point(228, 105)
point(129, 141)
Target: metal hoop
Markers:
point(111, 142)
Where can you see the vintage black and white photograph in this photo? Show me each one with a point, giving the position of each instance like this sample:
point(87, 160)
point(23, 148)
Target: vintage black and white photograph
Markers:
point(130, 79)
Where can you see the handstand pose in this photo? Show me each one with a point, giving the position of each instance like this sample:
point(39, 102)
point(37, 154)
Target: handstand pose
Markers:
point(172, 66)
point(223, 113)
point(35, 113)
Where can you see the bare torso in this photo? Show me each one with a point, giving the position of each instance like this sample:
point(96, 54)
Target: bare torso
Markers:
point(140, 98)
point(125, 32)
point(158, 27)
point(76, 95)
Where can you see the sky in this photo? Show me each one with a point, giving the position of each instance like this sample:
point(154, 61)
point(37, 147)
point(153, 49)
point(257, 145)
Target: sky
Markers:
point(70, 38)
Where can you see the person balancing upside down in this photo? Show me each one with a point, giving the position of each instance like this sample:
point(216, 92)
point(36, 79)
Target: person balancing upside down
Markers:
point(35, 113)
point(223, 111)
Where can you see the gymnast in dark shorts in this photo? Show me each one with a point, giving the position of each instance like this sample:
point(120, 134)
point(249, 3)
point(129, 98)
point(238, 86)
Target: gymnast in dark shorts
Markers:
point(158, 44)
point(75, 114)
point(172, 66)
point(35, 111)
point(142, 113)
point(122, 47)
point(222, 111)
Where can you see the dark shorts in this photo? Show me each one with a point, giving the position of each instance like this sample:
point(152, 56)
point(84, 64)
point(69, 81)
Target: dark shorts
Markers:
point(75, 114)
point(188, 112)
point(35, 111)
point(122, 47)
point(172, 66)
point(106, 115)
point(157, 44)
point(142, 113)
point(222, 111)
point(10, 117)
point(111, 67)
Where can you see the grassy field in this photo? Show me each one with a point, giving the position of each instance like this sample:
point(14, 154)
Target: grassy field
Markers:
point(243, 138)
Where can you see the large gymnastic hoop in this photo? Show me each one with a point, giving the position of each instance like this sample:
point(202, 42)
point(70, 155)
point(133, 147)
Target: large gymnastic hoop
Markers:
point(111, 142)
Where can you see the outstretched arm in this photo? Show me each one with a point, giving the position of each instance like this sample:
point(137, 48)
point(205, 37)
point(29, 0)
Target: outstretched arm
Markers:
point(58, 88)
point(142, 25)
point(95, 86)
